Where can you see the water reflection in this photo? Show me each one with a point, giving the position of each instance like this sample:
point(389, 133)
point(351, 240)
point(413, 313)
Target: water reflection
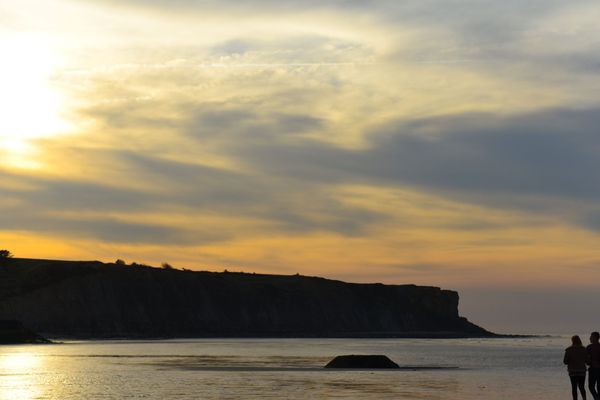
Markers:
point(18, 373)
point(17, 363)
point(278, 368)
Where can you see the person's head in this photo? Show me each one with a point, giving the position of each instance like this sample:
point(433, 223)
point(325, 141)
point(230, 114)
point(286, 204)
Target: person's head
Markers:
point(576, 340)
point(594, 337)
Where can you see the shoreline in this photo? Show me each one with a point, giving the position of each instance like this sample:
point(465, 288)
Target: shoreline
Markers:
point(59, 339)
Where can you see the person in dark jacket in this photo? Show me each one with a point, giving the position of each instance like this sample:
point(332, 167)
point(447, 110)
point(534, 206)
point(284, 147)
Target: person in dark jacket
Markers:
point(593, 351)
point(575, 359)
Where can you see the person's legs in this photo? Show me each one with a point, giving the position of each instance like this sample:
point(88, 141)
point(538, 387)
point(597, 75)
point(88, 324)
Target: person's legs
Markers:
point(596, 375)
point(573, 387)
point(594, 382)
point(581, 384)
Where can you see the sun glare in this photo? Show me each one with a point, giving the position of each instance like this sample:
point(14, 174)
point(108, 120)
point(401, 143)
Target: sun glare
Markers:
point(30, 105)
point(19, 371)
point(18, 362)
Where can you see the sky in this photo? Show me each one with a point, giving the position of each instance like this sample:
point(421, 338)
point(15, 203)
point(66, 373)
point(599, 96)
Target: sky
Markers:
point(449, 143)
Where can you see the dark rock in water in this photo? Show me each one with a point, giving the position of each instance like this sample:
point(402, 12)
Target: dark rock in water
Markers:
point(362, 361)
point(13, 332)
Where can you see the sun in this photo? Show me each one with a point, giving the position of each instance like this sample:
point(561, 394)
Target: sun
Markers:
point(30, 104)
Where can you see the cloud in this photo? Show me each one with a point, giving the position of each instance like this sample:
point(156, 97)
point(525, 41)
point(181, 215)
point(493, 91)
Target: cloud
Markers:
point(183, 128)
point(284, 205)
point(542, 161)
point(105, 229)
point(233, 124)
point(267, 145)
point(591, 220)
point(550, 153)
point(73, 195)
point(84, 209)
point(475, 23)
point(114, 212)
point(282, 170)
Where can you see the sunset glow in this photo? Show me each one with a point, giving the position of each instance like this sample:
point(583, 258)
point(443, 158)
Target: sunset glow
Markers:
point(392, 141)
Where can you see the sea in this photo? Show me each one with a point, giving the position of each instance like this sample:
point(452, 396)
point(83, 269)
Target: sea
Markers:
point(505, 368)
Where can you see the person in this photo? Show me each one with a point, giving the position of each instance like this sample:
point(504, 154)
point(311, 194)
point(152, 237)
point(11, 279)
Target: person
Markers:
point(593, 360)
point(575, 360)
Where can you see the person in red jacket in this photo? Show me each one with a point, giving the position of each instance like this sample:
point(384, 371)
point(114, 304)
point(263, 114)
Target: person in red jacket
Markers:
point(575, 359)
point(593, 361)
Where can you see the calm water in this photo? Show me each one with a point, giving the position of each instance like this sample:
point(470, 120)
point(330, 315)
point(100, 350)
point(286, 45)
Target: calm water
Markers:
point(284, 368)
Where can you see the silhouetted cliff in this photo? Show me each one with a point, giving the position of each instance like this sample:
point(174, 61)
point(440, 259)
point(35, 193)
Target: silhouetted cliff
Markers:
point(96, 300)
point(13, 332)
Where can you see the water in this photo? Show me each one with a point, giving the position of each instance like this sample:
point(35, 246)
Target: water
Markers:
point(528, 368)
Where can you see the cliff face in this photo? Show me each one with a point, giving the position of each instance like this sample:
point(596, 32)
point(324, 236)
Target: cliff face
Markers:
point(91, 299)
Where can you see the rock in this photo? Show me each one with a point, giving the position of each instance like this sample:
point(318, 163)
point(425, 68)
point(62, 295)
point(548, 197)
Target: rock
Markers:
point(362, 362)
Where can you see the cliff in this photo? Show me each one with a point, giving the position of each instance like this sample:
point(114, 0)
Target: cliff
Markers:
point(13, 332)
point(97, 300)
